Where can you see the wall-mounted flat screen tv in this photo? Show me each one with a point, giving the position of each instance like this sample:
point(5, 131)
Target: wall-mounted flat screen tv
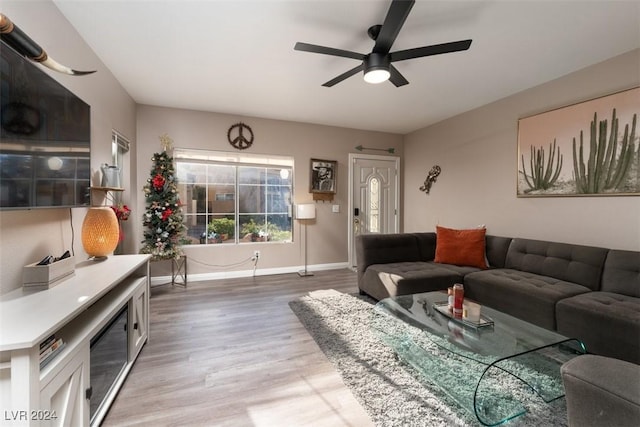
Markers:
point(45, 139)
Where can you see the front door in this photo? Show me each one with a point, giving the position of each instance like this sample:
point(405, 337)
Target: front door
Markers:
point(373, 197)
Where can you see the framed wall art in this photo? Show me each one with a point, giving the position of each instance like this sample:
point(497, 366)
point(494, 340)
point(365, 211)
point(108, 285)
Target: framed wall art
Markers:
point(323, 176)
point(586, 149)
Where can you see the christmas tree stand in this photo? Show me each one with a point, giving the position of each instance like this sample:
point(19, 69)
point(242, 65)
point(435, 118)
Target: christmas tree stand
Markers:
point(179, 271)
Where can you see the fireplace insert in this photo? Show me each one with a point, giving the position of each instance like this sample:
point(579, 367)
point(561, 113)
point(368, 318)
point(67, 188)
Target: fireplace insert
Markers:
point(108, 357)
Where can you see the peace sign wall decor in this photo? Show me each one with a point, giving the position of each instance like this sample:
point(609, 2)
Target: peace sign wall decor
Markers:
point(240, 136)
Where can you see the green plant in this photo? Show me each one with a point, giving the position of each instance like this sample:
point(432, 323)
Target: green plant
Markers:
point(265, 231)
point(251, 227)
point(222, 226)
point(280, 236)
point(605, 169)
point(543, 177)
point(276, 234)
point(183, 240)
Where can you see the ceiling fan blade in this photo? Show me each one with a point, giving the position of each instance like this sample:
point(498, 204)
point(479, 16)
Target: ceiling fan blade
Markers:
point(397, 14)
point(344, 76)
point(435, 49)
point(313, 48)
point(396, 78)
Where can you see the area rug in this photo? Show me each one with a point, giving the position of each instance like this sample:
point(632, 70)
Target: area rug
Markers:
point(392, 393)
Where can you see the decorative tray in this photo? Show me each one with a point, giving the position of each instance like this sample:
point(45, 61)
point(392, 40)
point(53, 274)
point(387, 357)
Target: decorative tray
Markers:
point(483, 322)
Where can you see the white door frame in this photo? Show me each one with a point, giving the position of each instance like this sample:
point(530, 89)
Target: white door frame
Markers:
point(352, 159)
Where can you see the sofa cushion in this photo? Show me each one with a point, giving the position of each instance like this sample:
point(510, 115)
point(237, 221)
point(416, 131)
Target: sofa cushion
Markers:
point(528, 296)
point(607, 323)
point(572, 263)
point(496, 248)
point(426, 245)
point(461, 247)
point(622, 273)
point(384, 248)
point(601, 391)
point(384, 280)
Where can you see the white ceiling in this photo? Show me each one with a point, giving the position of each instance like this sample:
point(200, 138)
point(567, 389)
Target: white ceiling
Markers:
point(237, 56)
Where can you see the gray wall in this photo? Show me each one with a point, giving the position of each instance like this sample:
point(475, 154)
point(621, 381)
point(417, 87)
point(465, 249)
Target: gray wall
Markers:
point(27, 236)
point(478, 155)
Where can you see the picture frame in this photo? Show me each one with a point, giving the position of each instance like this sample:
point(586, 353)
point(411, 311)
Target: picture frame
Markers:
point(576, 151)
point(322, 176)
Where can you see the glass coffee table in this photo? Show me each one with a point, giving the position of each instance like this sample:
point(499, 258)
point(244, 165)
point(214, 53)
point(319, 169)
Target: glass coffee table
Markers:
point(487, 366)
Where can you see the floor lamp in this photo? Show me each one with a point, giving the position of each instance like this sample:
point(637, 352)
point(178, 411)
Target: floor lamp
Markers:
point(304, 213)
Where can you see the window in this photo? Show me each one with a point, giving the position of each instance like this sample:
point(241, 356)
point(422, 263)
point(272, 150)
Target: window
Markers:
point(374, 205)
point(119, 152)
point(119, 147)
point(119, 155)
point(233, 198)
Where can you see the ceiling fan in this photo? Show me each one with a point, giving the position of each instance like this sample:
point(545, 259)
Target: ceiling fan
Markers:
point(377, 65)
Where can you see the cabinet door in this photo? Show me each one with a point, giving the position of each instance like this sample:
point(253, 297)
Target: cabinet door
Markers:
point(63, 399)
point(139, 325)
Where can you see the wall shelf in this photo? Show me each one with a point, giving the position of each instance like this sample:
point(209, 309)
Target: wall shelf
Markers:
point(105, 195)
point(107, 189)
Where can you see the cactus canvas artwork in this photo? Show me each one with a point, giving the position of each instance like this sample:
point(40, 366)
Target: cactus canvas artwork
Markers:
point(586, 149)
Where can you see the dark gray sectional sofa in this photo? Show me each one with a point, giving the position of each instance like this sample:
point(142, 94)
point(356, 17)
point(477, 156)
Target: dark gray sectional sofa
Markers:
point(583, 292)
point(601, 391)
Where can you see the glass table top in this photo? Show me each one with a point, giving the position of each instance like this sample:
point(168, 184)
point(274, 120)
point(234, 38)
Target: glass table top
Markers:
point(480, 367)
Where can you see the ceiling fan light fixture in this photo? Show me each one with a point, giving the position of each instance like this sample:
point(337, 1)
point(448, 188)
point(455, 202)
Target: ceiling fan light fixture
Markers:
point(376, 68)
point(376, 76)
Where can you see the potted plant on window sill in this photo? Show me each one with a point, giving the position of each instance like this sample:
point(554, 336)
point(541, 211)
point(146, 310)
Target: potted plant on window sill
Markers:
point(255, 231)
point(224, 228)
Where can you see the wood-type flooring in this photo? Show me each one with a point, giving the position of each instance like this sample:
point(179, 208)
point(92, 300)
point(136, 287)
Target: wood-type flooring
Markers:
point(232, 353)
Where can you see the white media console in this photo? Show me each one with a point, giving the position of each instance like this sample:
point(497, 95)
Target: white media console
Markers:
point(99, 297)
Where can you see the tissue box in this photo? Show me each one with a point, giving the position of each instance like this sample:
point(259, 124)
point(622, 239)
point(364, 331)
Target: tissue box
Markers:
point(48, 276)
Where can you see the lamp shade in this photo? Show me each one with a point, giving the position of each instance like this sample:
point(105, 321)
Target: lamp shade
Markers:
point(100, 232)
point(306, 211)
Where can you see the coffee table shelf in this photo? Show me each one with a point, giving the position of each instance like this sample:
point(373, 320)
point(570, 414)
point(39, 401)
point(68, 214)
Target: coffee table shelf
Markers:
point(480, 368)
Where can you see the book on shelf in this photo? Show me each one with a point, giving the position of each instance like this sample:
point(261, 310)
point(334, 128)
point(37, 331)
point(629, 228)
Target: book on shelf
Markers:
point(51, 349)
point(47, 343)
point(52, 355)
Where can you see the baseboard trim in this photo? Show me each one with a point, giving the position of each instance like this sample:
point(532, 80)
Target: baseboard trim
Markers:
point(163, 280)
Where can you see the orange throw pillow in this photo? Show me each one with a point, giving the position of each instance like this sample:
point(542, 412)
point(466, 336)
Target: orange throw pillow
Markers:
point(461, 247)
